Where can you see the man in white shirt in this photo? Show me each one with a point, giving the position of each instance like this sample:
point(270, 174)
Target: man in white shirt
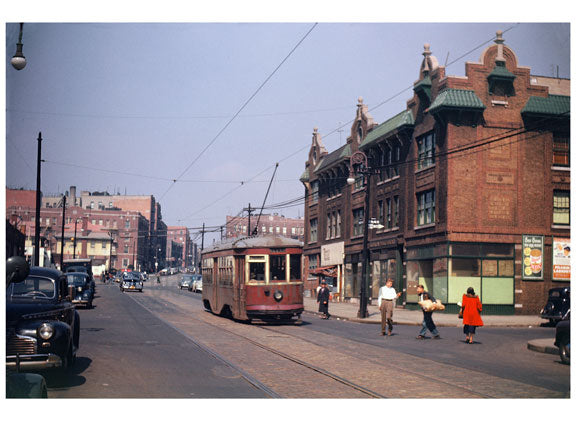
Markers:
point(386, 297)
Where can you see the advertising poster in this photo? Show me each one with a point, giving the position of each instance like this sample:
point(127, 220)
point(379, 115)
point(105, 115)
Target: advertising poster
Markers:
point(533, 257)
point(561, 259)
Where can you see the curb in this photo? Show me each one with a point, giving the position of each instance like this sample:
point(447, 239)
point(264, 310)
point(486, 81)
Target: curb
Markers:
point(543, 345)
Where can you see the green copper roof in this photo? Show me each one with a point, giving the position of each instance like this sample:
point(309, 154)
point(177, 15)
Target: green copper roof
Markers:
point(501, 72)
point(554, 105)
point(405, 118)
point(305, 176)
point(425, 85)
point(456, 98)
point(333, 158)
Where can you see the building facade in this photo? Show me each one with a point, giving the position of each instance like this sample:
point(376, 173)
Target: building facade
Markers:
point(469, 186)
point(113, 238)
point(274, 224)
point(179, 252)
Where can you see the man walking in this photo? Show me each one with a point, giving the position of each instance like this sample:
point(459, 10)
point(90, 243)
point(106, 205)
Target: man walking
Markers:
point(427, 323)
point(386, 296)
point(322, 299)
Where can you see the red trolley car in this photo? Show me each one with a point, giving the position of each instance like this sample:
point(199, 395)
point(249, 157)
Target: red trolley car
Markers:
point(254, 278)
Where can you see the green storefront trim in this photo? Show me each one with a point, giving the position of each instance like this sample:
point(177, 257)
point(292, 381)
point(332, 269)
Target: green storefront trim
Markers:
point(496, 289)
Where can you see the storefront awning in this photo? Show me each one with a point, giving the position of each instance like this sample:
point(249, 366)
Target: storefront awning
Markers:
point(326, 271)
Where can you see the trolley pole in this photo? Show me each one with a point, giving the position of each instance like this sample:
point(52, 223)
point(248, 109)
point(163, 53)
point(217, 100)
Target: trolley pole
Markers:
point(249, 213)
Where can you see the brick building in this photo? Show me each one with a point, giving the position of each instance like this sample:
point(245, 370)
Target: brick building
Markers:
point(111, 237)
point(267, 225)
point(179, 252)
point(146, 205)
point(470, 185)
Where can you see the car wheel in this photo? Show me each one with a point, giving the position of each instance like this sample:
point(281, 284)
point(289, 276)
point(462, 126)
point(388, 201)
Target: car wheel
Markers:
point(565, 353)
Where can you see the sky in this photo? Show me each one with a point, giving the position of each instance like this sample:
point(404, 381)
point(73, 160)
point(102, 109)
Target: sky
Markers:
point(130, 107)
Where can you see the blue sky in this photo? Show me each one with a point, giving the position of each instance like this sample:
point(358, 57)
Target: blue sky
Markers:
point(129, 107)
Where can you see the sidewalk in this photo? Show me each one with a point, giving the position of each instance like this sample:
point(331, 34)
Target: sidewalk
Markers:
point(349, 311)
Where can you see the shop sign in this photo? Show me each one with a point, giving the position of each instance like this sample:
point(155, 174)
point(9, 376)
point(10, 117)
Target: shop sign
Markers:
point(561, 259)
point(533, 257)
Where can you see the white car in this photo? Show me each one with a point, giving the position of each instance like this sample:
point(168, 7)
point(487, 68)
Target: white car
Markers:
point(196, 285)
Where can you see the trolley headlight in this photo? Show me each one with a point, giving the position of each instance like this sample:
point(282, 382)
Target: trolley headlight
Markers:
point(45, 331)
point(278, 296)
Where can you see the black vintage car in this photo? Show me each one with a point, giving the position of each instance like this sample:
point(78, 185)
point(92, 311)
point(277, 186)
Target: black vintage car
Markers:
point(83, 288)
point(557, 306)
point(131, 282)
point(42, 325)
point(562, 340)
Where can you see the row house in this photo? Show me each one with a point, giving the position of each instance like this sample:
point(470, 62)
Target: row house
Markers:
point(469, 186)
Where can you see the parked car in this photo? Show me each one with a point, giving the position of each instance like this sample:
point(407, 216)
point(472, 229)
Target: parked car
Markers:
point(196, 284)
point(562, 340)
point(21, 385)
point(164, 272)
point(131, 282)
point(42, 325)
point(83, 292)
point(185, 282)
point(557, 306)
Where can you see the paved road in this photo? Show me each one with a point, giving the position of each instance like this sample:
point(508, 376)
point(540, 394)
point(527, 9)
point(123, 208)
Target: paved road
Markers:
point(127, 352)
point(153, 340)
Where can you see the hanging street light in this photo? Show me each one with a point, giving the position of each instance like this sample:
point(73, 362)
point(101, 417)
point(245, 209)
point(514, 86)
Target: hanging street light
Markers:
point(19, 61)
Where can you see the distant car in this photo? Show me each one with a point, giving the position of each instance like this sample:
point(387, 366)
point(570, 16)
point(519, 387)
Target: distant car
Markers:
point(131, 283)
point(196, 284)
point(83, 288)
point(557, 306)
point(185, 282)
point(42, 325)
point(164, 272)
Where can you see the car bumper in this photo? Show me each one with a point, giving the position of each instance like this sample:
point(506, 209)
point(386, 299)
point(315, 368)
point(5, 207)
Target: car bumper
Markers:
point(34, 361)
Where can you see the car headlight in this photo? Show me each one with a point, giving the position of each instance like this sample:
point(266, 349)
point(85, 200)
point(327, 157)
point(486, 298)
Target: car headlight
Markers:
point(45, 331)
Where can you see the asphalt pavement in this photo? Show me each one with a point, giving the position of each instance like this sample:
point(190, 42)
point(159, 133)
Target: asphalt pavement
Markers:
point(349, 311)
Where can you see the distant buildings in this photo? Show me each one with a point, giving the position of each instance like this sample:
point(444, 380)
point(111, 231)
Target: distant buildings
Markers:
point(267, 225)
point(114, 230)
point(469, 186)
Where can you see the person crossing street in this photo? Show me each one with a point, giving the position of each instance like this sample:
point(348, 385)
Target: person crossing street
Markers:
point(386, 299)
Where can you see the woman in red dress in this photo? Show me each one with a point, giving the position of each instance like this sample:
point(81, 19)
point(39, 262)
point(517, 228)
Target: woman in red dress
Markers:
point(471, 308)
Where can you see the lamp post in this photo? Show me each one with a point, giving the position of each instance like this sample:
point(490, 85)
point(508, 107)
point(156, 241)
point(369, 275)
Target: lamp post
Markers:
point(19, 61)
point(359, 165)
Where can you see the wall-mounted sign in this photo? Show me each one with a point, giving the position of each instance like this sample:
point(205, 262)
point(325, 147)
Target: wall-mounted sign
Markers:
point(332, 254)
point(533, 257)
point(561, 259)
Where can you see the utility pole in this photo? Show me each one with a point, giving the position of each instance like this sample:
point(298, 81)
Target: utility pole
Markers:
point(37, 224)
point(63, 223)
point(75, 230)
point(202, 247)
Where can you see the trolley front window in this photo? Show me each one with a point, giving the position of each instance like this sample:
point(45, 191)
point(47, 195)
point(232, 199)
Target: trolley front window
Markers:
point(278, 268)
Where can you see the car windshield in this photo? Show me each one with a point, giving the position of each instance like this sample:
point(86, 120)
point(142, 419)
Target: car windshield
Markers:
point(33, 286)
point(187, 278)
point(76, 280)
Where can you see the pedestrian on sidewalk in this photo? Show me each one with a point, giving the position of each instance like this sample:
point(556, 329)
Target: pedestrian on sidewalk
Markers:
point(427, 323)
point(386, 299)
point(471, 309)
point(323, 298)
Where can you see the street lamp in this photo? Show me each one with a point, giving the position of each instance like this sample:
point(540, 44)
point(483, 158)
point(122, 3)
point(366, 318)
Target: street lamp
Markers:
point(359, 165)
point(19, 61)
